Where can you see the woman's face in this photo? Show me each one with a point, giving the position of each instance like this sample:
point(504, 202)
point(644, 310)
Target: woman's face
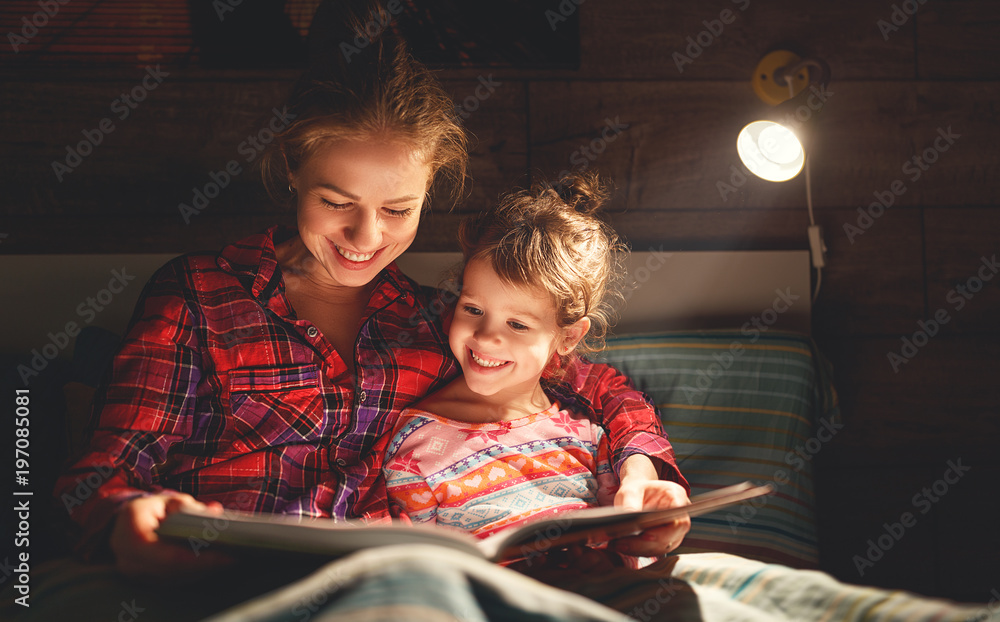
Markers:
point(358, 206)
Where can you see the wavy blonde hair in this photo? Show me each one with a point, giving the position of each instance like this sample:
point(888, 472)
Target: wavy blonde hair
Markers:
point(378, 93)
point(551, 237)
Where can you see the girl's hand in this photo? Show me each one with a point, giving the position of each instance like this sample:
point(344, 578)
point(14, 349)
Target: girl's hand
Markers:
point(139, 553)
point(641, 489)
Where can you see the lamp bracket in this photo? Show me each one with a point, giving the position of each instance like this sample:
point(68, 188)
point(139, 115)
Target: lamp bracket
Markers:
point(781, 75)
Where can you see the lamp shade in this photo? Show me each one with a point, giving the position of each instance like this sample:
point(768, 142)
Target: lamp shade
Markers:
point(771, 150)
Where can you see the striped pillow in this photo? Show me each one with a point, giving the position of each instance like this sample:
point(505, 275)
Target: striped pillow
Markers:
point(741, 407)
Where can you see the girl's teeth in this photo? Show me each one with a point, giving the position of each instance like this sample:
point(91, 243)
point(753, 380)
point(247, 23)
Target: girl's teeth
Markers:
point(355, 256)
point(480, 361)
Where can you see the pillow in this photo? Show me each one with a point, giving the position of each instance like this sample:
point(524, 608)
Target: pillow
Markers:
point(741, 407)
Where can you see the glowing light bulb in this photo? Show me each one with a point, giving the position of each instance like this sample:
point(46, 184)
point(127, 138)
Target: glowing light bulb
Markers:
point(779, 144)
point(771, 151)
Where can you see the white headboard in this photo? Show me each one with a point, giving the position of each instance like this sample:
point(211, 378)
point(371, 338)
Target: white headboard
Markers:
point(51, 295)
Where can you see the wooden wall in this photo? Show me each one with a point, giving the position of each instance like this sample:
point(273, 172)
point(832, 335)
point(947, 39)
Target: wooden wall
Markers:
point(893, 92)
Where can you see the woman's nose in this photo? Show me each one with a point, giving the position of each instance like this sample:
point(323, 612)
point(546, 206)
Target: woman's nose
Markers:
point(364, 231)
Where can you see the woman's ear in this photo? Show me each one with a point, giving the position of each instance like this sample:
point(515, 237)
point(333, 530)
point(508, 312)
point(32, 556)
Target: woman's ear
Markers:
point(572, 335)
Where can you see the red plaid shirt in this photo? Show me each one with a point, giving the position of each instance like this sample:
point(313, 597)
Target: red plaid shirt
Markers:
point(220, 392)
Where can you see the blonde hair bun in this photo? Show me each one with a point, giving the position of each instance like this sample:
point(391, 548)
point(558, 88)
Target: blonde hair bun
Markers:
point(583, 192)
point(551, 237)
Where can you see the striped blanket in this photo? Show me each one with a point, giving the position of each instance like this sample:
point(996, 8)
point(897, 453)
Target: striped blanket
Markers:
point(418, 583)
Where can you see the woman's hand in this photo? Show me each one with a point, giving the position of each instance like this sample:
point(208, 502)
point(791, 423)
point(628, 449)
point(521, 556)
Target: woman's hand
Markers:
point(139, 553)
point(641, 489)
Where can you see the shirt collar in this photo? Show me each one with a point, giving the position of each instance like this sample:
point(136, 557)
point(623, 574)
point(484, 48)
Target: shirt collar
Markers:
point(391, 285)
point(253, 261)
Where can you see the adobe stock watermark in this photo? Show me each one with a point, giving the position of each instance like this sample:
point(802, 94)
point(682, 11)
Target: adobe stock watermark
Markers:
point(224, 7)
point(250, 149)
point(901, 13)
point(87, 310)
point(122, 106)
point(30, 26)
point(213, 527)
point(797, 459)
point(483, 91)
point(704, 39)
point(85, 487)
point(566, 9)
point(582, 157)
point(129, 611)
point(666, 591)
point(641, 274)
point(333, 579)
point(378, 20)
point(923, 501)
point(752, 329)
point(913, 169)
point(990, 609)
point(544, 540)
point(957, 297)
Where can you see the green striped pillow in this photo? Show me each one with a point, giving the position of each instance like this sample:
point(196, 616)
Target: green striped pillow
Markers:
point(741, 406)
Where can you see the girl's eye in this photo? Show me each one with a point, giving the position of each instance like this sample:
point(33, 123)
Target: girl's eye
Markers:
point(332, 205)
point(517, 325)
point(472, 310)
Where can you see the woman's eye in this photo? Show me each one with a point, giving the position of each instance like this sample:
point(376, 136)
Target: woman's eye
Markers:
point(332, 205)
point(399, 213)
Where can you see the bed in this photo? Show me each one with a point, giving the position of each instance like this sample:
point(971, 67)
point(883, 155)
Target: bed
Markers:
point(719, 342)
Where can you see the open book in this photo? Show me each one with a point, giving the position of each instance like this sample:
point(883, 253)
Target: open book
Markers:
point(325, 537)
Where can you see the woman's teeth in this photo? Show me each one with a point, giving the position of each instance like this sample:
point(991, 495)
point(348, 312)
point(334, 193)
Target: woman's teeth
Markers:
point(354, 256)
point(485, 363)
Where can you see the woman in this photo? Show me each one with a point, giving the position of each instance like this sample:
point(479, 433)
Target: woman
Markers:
point(265, 378)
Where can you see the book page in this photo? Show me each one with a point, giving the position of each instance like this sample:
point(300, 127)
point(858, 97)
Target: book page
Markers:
point(599, 525)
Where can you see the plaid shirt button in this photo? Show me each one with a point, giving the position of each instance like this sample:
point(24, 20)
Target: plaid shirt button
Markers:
point(312, 331)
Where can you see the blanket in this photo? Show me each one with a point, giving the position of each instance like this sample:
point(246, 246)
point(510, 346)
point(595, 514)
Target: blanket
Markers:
point(420, 583)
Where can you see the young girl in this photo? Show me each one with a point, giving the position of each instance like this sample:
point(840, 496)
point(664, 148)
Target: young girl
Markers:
point(490, 450)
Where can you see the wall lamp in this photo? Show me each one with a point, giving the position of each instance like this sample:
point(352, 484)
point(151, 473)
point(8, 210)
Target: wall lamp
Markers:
point(775, 147)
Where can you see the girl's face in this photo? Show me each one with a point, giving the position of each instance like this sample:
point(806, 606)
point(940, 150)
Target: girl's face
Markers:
point(504, 335)
point(358, 206)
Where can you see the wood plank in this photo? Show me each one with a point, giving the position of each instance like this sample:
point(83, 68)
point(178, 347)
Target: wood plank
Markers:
point(844, 34)
point(25, 235)
point(495, 116)
point(644, 36)
point(963, 245)
point(28, 235)
point(853, 505)
point(958, 40)
point(129, 233)
point(950, 547)
point(968, 543)
point(942, 403)
point(872, 282)
point(164, 147)
point(678, 149)
point(712, 229)
point(184, 132)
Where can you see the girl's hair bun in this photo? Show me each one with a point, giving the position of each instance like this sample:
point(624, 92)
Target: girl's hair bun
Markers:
point(584, 192)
